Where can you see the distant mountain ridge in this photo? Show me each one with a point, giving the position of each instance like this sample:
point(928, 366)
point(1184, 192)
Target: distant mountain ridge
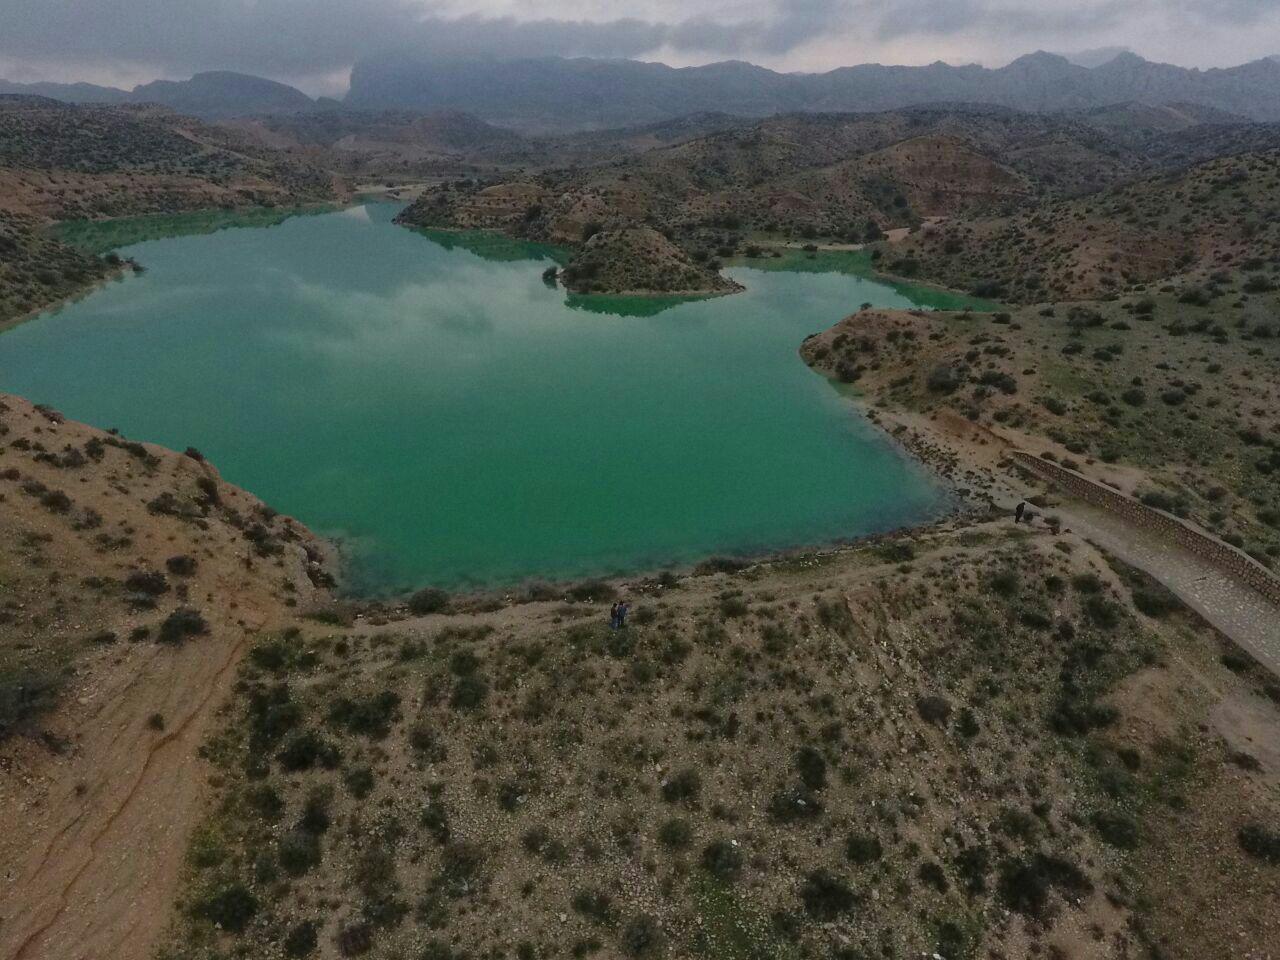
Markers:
point(553, 93)
point(214, 95)
point(556, 95)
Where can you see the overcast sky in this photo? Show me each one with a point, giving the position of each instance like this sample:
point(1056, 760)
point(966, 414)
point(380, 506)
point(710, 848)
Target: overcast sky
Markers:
point(313, 43)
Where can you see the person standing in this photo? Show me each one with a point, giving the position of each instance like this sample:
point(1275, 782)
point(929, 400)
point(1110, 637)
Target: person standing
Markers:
point(1019, 510)
point(613, 616)
point(623, 609)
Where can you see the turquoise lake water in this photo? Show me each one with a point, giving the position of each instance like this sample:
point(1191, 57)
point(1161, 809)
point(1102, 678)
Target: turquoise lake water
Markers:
point(453, 420)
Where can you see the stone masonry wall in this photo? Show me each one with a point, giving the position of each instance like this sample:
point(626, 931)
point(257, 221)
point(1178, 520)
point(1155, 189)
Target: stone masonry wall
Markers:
point(1235, 562)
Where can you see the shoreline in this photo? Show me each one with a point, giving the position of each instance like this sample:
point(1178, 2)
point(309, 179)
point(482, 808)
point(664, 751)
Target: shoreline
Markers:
point(115, 275)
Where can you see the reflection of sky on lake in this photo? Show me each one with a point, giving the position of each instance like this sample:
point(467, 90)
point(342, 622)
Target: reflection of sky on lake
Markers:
point(459, 420)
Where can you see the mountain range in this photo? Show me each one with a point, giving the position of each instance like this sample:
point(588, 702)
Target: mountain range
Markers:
point(557, 95)
point(214, 95)
point(581, 93)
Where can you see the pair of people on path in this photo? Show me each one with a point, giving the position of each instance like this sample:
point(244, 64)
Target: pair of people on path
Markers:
point(618, 614)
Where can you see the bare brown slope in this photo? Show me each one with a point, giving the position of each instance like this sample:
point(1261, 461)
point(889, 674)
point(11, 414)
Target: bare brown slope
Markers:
point(104, 698)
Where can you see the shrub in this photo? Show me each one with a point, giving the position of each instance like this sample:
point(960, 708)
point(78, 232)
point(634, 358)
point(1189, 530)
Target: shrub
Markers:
point(1155, 601)
point(931, 875)
point(973, 863)
point(355, 938)
point(594, 904)
point(300, 941)
point(825, 896)
point(231, 907)
point(722, 860)
point(1236, 662)
point(1260, 842)
point(181, 566)
point(1025, 884)
point(24, 694)
point(945, 378)
point(359, 781)
point(429, 600)
point(863, 848)
point(182, 623)
point(306, 749)
point(368, 716)
point(149, 582)
point(642, 937)
point(792, 804)
point(1102, 612)
point(299, 852)
point(676, 834)
point(1116, 828)
point(460, 869)
point(592, 590)
point(732, 607)
point(469, 693)
point(934, 709)
point(682, 787)
point(812, 768)
point(835, 616)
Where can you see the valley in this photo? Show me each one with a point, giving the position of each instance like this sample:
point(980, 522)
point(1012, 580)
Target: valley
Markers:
point(339, 679)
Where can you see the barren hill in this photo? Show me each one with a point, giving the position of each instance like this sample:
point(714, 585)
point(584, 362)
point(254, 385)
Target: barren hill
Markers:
point(60, 161)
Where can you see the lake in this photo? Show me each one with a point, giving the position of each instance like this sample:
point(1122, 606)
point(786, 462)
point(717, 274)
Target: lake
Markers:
point(451, 419)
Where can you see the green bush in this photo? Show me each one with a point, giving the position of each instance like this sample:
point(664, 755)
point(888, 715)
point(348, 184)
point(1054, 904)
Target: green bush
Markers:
point(1260, 842)
point(368, 716)
point(863, 848)
point(182, 623)
point(23, 695)
point(301, 939)
point(642, 937)
point(429, 600)
point(676, 834)
point(231, 907)
point(1117, 828)
point(1025, 884)
point(682, 786)
point(722, 860)
point(299, 852)
point(826, 897)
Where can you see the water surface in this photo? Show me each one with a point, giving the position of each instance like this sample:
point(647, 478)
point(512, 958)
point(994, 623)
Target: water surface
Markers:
point(429, 400)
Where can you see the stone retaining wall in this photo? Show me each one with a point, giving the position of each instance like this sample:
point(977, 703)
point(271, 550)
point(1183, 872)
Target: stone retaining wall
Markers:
point(1235, 562)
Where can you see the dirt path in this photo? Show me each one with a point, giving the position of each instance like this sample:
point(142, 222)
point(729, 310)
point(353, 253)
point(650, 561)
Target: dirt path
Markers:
point(1234, 608)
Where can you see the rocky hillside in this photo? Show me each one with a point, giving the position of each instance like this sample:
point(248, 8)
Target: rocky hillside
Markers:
point(1204, 225)
point(59, 161)
point(36, 269)
point(966, 743)
point(848, 177)
point(639, 260)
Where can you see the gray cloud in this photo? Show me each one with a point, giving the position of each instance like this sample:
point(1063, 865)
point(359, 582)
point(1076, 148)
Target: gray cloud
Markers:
point(309, 38)
point(926, 17)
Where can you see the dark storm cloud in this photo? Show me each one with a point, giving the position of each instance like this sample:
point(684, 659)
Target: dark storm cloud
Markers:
point(289, 36)
point(930, 18)
point(300, 38)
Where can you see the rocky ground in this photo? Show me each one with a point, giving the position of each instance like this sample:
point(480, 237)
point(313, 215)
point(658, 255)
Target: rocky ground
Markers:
point(969, 741)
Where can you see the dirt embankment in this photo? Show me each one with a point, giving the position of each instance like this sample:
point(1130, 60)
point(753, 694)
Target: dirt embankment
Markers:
point(133, 579)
